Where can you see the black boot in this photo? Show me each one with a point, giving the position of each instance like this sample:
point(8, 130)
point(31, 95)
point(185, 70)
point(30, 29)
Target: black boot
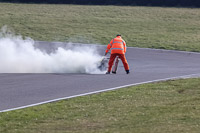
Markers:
point(127, 72)
point(113, 72)
point(107, 72)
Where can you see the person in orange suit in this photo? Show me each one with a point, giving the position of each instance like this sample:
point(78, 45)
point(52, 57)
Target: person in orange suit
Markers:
point(118, 48)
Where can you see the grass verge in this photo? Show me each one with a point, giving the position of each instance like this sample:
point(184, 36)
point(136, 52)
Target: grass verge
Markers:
point(170, 106)
point(152, 27)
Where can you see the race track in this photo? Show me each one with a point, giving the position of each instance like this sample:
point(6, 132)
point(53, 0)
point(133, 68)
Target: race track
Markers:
point(146, 65)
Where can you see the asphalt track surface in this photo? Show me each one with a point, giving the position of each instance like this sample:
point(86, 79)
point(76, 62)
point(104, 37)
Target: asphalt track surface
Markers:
point(146, 65)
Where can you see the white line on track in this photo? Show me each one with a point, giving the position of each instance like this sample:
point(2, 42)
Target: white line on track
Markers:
point(95, 92)
point(162, 50)
point(166, 50)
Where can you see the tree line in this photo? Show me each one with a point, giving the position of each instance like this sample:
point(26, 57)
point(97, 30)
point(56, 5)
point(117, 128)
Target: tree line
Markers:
point(168, 3)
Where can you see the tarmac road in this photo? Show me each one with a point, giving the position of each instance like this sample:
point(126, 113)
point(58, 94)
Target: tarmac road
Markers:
point(146, 65)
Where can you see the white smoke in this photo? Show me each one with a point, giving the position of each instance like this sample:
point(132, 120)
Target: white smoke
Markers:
point(19, 55)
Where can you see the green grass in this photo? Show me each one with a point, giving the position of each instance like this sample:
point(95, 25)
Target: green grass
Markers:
point(152, 27)
point(164, 107)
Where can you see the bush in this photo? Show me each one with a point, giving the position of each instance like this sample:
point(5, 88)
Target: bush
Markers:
point(170, 3)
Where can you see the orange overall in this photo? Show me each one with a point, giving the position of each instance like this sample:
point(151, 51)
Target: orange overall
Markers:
point(118, 48)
